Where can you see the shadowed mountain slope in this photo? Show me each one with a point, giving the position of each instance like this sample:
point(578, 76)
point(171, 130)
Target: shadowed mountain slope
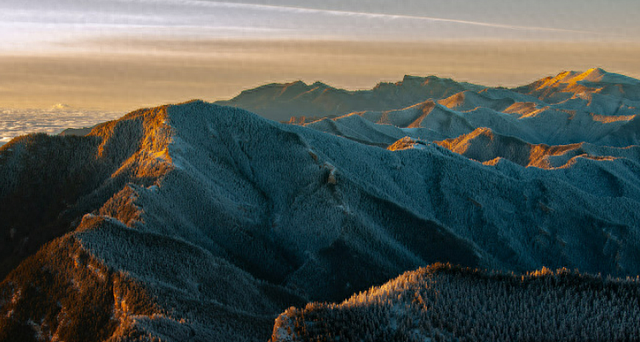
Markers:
point(218, 220)
point(50, 182)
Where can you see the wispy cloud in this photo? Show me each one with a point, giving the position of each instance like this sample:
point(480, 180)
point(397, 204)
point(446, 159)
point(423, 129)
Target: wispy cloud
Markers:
point(369, 15)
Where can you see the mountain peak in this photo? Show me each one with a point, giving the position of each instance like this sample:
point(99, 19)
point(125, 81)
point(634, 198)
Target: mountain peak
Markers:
point(598, 71)
point(593, 75)
point(295, 85)
point(410, 78)
point(321, 84)
point(576, 85)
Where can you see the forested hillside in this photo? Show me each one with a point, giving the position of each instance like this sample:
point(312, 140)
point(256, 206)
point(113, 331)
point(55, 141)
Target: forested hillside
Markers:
point(449, 303)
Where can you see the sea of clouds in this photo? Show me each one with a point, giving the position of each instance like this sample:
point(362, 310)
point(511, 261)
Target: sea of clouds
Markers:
point(16, 122)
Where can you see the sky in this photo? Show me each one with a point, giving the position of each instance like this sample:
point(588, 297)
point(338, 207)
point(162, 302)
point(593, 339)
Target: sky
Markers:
point(126, 54)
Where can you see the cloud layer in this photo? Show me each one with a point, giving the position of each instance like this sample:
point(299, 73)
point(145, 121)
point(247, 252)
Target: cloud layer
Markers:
point(16, 122)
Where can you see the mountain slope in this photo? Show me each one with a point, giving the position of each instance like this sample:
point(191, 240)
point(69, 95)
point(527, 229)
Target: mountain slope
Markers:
point(528, 121)
point(447, 303)
point(221, 219)
point(589, 86)
point(50, 182)
point(207, 204)
point(484, 145)
point(110, 282)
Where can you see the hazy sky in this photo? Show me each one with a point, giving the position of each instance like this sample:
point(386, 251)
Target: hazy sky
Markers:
point(122, 54)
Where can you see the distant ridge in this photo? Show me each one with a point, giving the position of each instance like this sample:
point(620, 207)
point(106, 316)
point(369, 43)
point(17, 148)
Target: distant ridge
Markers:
point(282, 101)
point(570, 108)
point(575, 83)
point(77, 131)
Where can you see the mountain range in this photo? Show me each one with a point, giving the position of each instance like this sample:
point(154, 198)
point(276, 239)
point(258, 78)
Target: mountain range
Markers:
point(204, 222)
point(281, 101)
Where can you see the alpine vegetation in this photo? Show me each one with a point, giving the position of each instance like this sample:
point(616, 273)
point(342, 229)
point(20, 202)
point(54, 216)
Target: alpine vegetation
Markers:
point(442, 302)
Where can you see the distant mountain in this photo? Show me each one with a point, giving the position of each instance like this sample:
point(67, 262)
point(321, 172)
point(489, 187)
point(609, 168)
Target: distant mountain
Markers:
point(201, 222)
point(583, 107)
point(77, 131)
point(577, 90)
point(447, 303)
point(485, 146)
point(280, 102)
point(595, 95)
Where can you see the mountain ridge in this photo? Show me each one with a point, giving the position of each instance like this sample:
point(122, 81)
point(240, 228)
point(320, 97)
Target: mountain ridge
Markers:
point(585, 115)
point(282, 101)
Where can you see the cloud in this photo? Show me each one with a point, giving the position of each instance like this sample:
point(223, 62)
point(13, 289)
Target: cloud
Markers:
point(369, 15)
